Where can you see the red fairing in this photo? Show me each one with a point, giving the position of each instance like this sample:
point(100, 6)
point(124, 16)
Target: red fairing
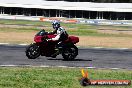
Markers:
point(51, 36)
point(74, 39)
point(38, 39)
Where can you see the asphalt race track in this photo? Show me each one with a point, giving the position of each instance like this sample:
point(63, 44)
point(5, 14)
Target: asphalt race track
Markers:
point(99, 58)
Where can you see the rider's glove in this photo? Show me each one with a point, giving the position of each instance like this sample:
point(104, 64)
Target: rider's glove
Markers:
point(48, 40)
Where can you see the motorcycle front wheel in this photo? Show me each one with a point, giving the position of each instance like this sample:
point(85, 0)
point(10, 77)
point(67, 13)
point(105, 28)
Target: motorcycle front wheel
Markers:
point(69, 53)
point(32, 51)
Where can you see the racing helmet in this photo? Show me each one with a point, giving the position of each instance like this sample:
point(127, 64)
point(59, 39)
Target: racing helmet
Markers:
point(56, 24)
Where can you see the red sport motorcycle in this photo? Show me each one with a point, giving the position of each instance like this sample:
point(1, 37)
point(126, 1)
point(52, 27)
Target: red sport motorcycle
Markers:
point(51, 48)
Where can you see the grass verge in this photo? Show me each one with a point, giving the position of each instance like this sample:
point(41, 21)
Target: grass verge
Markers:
point(35, 77)
point(73, 29)
point(47, 24)
point(88, 34)
point(88, 38)
point(78, 32)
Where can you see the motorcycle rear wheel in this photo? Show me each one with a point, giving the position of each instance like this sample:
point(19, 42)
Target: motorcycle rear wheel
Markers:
point(69, 53)
point(32, 51)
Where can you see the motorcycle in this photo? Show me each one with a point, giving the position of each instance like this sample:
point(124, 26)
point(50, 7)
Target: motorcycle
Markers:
point(51, 48)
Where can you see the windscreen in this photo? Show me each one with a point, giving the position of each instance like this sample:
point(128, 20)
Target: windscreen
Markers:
point(41, 33)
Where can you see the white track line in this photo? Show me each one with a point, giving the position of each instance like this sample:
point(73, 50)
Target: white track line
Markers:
point(47, 66)
point(98, 47)
point(114, 68)
point(23, 44)
point(4, 43)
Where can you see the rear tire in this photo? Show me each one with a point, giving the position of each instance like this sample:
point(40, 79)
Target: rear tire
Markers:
point(70, 52)
point(32, 51)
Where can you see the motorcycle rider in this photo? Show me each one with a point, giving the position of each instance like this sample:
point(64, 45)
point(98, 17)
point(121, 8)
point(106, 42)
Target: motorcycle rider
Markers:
point(61, 35)
point(60, 31)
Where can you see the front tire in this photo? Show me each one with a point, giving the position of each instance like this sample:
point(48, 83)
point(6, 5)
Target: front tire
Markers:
point(70, 52)
point(33, 51)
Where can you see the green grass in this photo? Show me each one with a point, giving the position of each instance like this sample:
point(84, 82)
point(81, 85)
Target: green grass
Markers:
point(36, 23)
point(117, 27)
point(18, 30)
point(77, 29)
point(40, 23)
point(73, 29)
point(35, 77)
point(78, 32)
point(67, 25)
